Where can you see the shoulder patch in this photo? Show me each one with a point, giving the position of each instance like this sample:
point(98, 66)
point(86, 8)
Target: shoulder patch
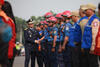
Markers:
point(67, 28)
point(95, 22)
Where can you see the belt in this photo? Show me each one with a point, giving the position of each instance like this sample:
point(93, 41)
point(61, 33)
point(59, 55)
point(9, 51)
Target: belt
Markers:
point(50, 42)
point(77, 43)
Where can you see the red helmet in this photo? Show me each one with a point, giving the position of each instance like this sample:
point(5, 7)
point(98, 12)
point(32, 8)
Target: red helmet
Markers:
point(52, 19)
point(45, 22)
point(59, 15)
point(48, 14)
point(2, 2)
point(41, 22)
point(66, 13)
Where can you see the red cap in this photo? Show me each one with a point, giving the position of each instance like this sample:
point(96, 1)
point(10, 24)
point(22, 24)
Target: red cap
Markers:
point(67, 13)
point(53, 19)
point(45, 22)
point(2, 2)
point(48, 14)
point(41, 22)
point(59, 15)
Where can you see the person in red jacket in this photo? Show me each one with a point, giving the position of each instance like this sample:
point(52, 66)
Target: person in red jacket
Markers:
point(9, 19)
point(3, 44)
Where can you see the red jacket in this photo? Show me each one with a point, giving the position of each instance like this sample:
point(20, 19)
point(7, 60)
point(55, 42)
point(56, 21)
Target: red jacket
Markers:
point(97, 47)
point(12, 41)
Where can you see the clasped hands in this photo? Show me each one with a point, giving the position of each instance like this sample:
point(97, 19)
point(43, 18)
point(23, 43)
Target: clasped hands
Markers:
point(37, 41)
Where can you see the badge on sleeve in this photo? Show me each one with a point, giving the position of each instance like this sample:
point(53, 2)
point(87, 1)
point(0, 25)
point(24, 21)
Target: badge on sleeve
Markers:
point(95, 24)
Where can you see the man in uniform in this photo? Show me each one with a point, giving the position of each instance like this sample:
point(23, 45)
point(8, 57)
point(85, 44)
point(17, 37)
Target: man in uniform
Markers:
point(52, 42)
point(30, 35)
point(43, 42)
point(66, 17)
point(89, 37)
point(82, 22)
point(74, 40)
point(39, 47)
point(60, 58)
point(65, 34)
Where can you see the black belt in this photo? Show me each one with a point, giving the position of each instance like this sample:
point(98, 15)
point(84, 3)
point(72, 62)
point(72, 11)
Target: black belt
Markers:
point(77, 43)
point(51, 42)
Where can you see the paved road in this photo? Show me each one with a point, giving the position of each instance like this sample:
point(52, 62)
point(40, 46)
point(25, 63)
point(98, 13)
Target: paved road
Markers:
point(19, 62)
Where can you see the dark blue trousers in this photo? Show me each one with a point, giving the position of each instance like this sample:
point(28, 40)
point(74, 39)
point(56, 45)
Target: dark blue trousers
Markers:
point(88, 60)
point(67, 56)
point(31, 52)
point(52, 57)
point(45, 54)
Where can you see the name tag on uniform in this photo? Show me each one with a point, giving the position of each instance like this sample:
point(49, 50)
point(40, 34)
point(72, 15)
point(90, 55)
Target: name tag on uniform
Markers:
point(67, 28)
point(30, 35)
point(73, 27)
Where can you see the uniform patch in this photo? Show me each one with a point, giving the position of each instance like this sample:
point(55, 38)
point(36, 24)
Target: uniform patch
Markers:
point(95, 24)
point(67, 28)
point(30, 35)
point(29, 31)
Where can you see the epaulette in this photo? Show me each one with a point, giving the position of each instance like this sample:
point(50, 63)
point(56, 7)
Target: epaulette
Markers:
point(25, 28)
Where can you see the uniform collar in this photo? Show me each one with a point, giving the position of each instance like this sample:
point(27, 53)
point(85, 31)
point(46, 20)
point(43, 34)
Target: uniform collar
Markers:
point(90, 16)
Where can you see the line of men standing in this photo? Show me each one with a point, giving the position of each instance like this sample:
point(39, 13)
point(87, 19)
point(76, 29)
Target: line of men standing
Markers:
point(59, 42)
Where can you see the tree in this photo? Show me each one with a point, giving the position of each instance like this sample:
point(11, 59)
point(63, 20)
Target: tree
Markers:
point(20, 25)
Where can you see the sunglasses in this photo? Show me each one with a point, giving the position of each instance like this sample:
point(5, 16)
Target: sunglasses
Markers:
point(59, 18)
point(51, 21)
